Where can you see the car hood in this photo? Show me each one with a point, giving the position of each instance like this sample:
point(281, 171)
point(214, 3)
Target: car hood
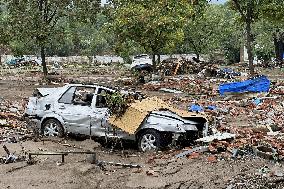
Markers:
point(46, 91)
point(173, 115)
point(43, 92)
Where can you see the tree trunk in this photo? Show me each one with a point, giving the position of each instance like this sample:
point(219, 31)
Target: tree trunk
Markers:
point(249, 46)
point(154, 61)
point(279, 48)
point(159, 59)
point(43, 63)
point(197, 55)
point(196, 51)
point(276, 47)
point(278, 44)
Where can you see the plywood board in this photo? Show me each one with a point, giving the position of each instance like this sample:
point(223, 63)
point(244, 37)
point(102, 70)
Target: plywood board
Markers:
point(136, 113)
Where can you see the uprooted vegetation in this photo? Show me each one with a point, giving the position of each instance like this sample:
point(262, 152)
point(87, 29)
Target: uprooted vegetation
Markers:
point(118, 103)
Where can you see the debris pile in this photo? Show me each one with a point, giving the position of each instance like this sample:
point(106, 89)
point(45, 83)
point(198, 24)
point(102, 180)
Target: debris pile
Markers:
point(189, 85)
point(179, 66)
point(264, 178)
point(12, 125)
point(24, 61)
point(278, 88)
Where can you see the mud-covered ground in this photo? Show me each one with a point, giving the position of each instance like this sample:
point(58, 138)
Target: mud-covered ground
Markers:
point(159, 170)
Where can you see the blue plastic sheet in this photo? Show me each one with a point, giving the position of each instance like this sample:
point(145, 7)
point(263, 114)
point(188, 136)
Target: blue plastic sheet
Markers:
point(257, 101)
point(198, 108)
point(211, 107)
point(195, 108)
point(256, 84)
point(229, 70)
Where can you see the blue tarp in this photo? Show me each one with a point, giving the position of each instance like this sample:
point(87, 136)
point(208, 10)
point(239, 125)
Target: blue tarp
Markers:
point(227, 70)
point(195, 108)
point(256, 84)
point(198, 108)
point(211, 107)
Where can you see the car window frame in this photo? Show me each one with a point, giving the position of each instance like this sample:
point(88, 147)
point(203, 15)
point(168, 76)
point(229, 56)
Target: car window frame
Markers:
point(64, 94)
point(72, 103)
point(97, 94)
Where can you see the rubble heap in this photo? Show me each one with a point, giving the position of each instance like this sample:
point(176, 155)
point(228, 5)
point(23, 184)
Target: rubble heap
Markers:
point(12, 126)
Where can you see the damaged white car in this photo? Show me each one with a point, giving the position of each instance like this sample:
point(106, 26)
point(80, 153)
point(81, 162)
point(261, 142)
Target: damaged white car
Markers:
point(82, 109)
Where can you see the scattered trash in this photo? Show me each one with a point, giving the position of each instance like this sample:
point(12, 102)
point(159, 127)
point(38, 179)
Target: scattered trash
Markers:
point(264, 170)
point(188, 152)
point(170, 91)
point(278, 172)
point(257, 101)
point(152, 173)
point(211, 107)
point(266, 152)
point(3, 122)
point(217, 136)
point(241, 126)
point(227, 73)
point(118, 164)
point(10, 158)
point(195, 108)
point(212, 159)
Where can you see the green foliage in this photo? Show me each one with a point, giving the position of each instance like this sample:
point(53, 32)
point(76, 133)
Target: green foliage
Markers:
point(117, 103)
point(38, 19)
point(264, 46)
point(264, 18)
point(153, 25)
point(4, 34)
point(131, 27)
point(82, 38)
point(215, 30)
point(248, 9)
point(272, 10)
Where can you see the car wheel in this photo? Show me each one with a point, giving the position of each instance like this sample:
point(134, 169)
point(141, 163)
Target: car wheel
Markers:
point(149, 140)
point(52, 127)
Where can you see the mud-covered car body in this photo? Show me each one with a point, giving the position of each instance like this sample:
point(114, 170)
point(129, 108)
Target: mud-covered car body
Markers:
point(90, 117)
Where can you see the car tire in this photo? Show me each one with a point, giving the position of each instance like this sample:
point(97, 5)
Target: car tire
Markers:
point(149, 140)
point(52, 127)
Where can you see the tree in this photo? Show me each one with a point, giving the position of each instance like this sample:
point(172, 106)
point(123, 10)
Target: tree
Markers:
point(153, 25)
point(269, 35)
point(4, 34)
point(249, 11)
point(213, 30)
point(272, 11)
point(37, 20)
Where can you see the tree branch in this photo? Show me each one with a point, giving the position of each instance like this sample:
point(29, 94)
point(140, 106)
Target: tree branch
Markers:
point(238, 6)
point(52, 16)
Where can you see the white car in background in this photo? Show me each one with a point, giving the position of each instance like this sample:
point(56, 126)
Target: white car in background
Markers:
point(141, 59)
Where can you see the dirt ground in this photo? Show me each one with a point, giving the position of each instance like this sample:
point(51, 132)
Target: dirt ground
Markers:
point(166, 171)
point(159, 170)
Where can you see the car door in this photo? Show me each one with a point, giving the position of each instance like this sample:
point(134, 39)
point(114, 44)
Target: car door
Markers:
point(77, 113)
point(100, 124)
